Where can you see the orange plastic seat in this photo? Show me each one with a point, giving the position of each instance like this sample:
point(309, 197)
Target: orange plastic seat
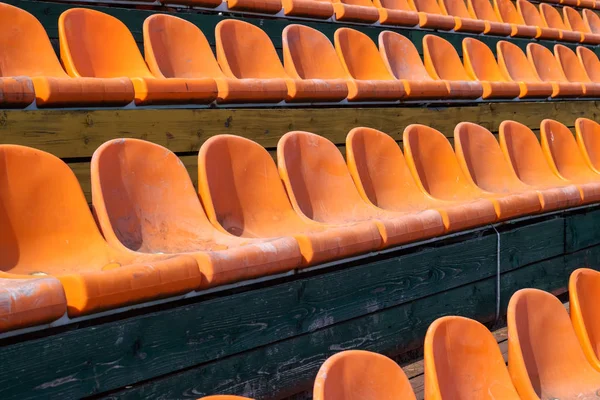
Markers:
point(514, 65)
point(355, 10)
point(369, 77)
point(522, 148)
point(590, 63)
point(480, 64)
point(532, 17)
point(320, 188)
point(431, 15)
point(592, 20)
point(94, 276)
point(553, 20)
point(309, 56)
point(257, 6)
point(383, 179)
point(575, 22)
point(197, 3)
point(224, 397)
point(463, 361)
point(320, 9)
point(396, 12)
point(442, 62)
point(545, 360)
point(464, 20)
point(434, 166)
point(361, 375)
point(482, 9)
point(549, 70)
point(243, 195)
point(131, 179)
point(587, 134)
point(574, 71)
point(482, 160)
point(26, 51)
point(584, 285)
point(94, 44)
point(402, 59)
point(507, 11)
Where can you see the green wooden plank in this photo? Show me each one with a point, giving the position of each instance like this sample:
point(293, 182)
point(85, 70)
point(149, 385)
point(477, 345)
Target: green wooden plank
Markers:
point(582, 229)
point(586, 258)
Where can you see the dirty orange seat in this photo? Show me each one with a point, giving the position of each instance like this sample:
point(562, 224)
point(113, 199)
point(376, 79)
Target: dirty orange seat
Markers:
point(545, 360)
point(549, 70)
point(355, 10)
point(464, 20)
point(590, 63)
point(442, 62)
point(361, 375)
point(29, 63)
point(320, 9)
point(94, 276)
point(435, 168)
point(575, 22)
point(224, 397)
point(480, 64)
point(553, 20)
point(131, 179)
point(482, 9)
point(396, 12)
point(592, 20)
point(402, 59)
point(532, 17)
point(431, 15)
point(574, 71)
point(587, 134)
point(482, 160)
point(369, 77)
point(309, 55)
point(514, 65)
point(94, 44)
point(584, 286)
point(383, 179)
point(321, 189)
point(243, 195)
point(257, 6)
point(463, 361)
point(522, 148)
point(507, 11)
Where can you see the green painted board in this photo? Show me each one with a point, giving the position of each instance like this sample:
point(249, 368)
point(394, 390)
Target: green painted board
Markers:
point(582, 229)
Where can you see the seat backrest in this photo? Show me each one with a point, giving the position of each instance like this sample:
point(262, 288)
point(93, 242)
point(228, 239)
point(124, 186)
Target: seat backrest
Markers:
point(584, 286)
point(530, 14)
point(245, 51)
point(426, 6)
point(308, 54)
point(98, 45)
point(441, 59)
point(361, 375)
point(561, 149)
point(401, 57)
point(456, 8)
point(589, 61)
point(574, 20)
point(482, 9)
point(25, 49)
point(167, 55)
point(570, 64)
point(401, 5)
point(587, 133)
point(552, 17)
point(479, 61)
point(507, 12)
point(592, 20)
point(514, 63)
point(359, 55)
point(545, 64)
point(463, 361)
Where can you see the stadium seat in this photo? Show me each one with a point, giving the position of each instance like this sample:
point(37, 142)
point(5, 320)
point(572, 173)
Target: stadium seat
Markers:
point(396, 12)
point(256, 6)
point(225, 396)
point(532, 17)
point(482, 9)
point(319, 9)
point(589, 61)
point(587, 134)
point(309, 55)
point(29, 64)
point(431, 15)
point(464, 21)
point(480, 65)
point(442, 62)
point(402, 59)
point(382, 177)
point(131, 179)
point(549, 70)
point(545, 360)
point(243, 195)
point(463, 361)
point(64, 242)
point(369, 77)
point(434, 166)
point(553, 20)
point(575, 22)
point(514, 64)
point(592, 20)
point(507, 11)
point(320, 188)
point(361, 375)
point(355, 11)
point(522, 148)
point(584, 286)
point(574, 71)
point(98, 45)
point(196, 3)
point(482, 160)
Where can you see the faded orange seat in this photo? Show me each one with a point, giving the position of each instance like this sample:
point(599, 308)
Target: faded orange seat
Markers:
point(383, 179)
point(402, 59)
point(574, 71)
point(431, 15)
point(243, 195)
point(396, 12)
point(25, 50)
point(549, 70)
point(575, 22)
point(482, 160)
point(94, 276)
point(321, 189)
point(545, 360)
point(94, 44)
point(587, 134)
point(369, 77)
point(480, 64)
point(590, 63)
point(532, 17)
point(132, 179)
point(522, 148)
point(442, 62)
point(482, 9)
point(224, 397)
point(321, 9)
point(507, 11)
point(361, 375)
point(463, 361)
point(584, 286)
point(514, 65)
point(592, 20)
point(553, 20)
point(309, 55)
point(257, 6)
point(464, 20)
point(355, 10)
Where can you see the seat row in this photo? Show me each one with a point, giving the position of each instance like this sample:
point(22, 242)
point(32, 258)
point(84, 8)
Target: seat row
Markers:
point(254, 218)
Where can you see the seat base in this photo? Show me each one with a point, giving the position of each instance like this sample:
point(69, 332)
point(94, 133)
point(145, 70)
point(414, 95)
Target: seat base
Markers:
point(251, 90)
point(349, 12)
point(257, 6)
point(436, 21)
point(548, 34)
point(558, 198)
point(469, 25)
point(464, 89)
point(535, 90)
point(570, 36)
point(516, 205)
point(567, 89)
point(591, 38)
point(429, 89)
point(500, 90)
point(308, 8)
point(374, 90)
point(174, 91)
point(51, 91)
point(497, 28)
point(316, 90)
point(16, 92)
point(398, 17)
point(398, 228)
point(525, 31)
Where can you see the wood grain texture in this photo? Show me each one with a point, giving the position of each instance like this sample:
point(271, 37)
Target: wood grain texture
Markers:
point(582, 229)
